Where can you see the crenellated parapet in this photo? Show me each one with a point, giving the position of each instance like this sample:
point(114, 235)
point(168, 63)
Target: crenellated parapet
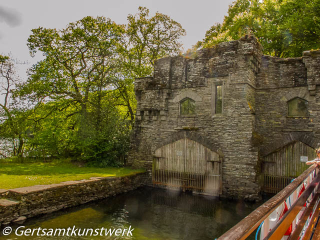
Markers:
point(220, 61)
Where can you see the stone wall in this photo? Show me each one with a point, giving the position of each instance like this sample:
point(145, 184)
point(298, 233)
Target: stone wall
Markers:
point(279, 81)
point(254, 120)
point(158, 121)
point(31, 201)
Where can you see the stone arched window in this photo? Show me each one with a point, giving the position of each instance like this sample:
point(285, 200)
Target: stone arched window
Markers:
point(187, 106)
point(298, 107)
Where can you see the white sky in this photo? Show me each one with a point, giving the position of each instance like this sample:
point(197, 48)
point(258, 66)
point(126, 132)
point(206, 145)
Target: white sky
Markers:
point(18, 17)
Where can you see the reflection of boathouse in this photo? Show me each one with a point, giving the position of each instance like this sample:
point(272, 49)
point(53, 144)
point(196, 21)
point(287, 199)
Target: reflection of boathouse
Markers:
point(229, 121)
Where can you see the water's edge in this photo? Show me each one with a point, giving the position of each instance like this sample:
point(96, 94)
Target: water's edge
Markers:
point(152, 213)
point(21, 203)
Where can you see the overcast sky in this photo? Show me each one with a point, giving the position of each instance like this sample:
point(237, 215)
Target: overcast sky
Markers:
point(18, 17)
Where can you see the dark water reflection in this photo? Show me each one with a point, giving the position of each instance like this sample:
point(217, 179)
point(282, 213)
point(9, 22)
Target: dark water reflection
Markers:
point(153, 213)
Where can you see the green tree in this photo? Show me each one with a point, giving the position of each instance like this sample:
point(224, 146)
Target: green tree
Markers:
point(13, 115)
point(78, 60)
point(51, 129)
point(282, 26)
point(83, 88)
point(151, 38)
point(146, 39)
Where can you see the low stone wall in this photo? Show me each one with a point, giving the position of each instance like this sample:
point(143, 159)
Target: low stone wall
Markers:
point(21, 203)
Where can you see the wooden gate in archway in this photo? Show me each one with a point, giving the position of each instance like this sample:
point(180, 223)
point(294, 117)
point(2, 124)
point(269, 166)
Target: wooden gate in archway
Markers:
point(188, 165)
point(280, 167)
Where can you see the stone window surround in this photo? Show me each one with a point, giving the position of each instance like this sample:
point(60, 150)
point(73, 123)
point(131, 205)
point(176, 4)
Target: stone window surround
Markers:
point(190, 93)
point(184, 94)
point(214, 98)
point(302, 93)
point(189, 114)
point(289, 116)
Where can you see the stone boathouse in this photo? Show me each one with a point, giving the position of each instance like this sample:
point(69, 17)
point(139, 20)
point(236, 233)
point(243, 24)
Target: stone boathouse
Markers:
point(228, 121)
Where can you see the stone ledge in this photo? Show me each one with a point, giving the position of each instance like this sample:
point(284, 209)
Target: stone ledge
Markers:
point(3, 192)
point(8, 203)
point(311, 53)
point(297, 130)
point(39, 188)
point(42, 199)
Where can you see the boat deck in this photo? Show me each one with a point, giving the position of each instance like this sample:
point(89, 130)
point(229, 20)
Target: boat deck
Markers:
point(279, 219)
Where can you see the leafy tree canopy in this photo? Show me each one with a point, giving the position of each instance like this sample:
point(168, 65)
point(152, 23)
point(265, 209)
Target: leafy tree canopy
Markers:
point(82, 91)
point(285, 28)
point(95, 54)
point(78, 59)
point(151, 38)
point(145, 40)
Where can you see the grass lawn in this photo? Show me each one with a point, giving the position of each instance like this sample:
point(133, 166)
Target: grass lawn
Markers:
point(16, 175)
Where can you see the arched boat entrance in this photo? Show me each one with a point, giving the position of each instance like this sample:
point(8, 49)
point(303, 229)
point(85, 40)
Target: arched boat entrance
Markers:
point(188, 165)
point(285, 164)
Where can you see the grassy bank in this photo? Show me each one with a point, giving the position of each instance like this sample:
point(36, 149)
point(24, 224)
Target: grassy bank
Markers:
point(16, 175)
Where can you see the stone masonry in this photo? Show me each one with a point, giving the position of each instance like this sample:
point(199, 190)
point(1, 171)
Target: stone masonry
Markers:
point(254, 119)
point(18, 204)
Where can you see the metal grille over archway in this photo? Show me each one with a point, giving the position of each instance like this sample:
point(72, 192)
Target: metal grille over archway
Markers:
point(285, 164)
point(188, 165)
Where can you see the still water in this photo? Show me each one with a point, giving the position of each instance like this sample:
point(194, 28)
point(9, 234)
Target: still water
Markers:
point(152, 213)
